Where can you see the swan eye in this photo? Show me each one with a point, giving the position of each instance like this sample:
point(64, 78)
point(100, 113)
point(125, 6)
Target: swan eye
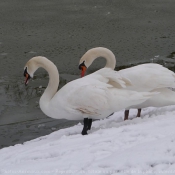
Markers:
point(82, 65)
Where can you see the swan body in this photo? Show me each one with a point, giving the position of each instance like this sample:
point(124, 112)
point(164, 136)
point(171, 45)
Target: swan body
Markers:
point(91, 97)
point(149, 77)
point(165, 97)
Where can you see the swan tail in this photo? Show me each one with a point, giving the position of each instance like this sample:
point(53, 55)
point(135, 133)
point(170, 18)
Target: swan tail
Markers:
point(150, 94)
point(141, 97)
point(123, 99)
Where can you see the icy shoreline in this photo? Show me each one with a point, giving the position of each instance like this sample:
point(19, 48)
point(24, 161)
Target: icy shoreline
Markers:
point(138, 146)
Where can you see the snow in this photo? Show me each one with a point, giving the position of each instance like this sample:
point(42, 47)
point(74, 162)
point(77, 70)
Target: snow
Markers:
point(143, 145)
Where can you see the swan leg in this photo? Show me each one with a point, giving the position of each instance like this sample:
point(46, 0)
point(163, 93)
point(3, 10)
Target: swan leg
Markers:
point(139, 113)
point(89, 124)
point(126, 114)
point(84, 131)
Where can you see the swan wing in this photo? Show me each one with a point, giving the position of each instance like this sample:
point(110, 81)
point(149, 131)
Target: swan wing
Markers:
point(84, 96)
point(112, 77)
point(147, 77)
point(95, 98)
point(90, 99)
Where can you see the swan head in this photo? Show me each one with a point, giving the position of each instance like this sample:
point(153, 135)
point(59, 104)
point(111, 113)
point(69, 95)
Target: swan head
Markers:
point(27, 76)
point(30, 68)
point(83, 68)
point(85, 61)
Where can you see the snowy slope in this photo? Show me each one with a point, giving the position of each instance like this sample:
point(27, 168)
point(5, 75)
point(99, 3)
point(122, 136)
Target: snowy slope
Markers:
point(114, 147)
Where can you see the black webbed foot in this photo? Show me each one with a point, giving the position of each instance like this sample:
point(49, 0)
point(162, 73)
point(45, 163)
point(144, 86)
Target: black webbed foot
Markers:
point(84, 132)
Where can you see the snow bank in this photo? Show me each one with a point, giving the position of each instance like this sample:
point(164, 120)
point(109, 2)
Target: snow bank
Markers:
point(113, 147)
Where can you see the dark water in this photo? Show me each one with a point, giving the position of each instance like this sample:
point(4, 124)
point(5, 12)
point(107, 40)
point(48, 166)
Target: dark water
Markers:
point(20, 116)
point(137, 31)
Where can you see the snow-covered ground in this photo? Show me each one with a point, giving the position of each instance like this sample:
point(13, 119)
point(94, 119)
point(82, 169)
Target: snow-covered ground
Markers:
point(113, 147)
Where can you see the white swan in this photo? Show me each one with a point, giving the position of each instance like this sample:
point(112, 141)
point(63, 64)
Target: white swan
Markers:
point(145, 77)
point(91, 97)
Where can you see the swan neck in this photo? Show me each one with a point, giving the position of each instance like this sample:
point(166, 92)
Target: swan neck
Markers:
point(53, 80)
point(105, 53)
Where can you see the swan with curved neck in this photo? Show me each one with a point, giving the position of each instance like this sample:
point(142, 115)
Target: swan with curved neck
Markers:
point(145, 77)
point(91, 97)
point(92, 54)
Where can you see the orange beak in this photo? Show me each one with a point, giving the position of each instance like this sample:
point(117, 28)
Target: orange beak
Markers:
point(83, 70)
point(27, 78)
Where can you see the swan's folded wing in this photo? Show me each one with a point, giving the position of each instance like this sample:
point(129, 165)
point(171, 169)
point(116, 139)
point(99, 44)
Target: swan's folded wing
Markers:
point(84, 96)
point(111, 77)
point(89, 99)
point(97, 98)
point(147, 77)
point(94, 97)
